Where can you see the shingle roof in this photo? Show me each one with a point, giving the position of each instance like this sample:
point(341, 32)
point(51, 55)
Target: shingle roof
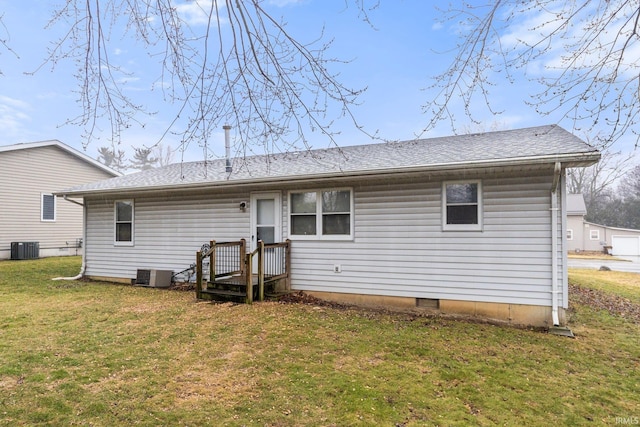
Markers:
point(576, 205)
point(521, 146)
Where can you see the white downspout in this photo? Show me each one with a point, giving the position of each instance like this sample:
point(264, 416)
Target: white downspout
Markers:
point(554, 244)
point(84, 243)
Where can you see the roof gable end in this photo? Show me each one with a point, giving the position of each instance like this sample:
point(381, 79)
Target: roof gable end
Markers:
point(63, 147)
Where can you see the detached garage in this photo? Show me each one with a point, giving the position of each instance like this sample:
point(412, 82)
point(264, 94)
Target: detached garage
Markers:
point(625, 245)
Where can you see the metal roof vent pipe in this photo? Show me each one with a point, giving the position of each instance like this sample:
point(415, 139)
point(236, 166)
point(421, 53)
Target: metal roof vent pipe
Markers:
point(227, 147)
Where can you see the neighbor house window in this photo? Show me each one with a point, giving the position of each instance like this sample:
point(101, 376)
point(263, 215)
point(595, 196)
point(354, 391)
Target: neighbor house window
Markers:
point(124, 222)
point(594, 234)
point(569, 234)
point(462, 205)
point(48, 207)
point(322, 214)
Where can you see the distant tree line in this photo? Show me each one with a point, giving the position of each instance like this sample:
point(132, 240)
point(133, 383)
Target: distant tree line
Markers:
point(143, 158)
point(611, 191)
point(619, 206)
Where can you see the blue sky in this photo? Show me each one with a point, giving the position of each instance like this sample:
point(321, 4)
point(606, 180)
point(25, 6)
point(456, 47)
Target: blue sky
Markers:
point(395, 61)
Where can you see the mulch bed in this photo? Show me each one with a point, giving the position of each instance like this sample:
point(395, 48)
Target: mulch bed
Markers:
point(615, 305)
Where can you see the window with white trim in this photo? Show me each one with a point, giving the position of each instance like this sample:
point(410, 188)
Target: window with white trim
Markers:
point(48, 208)
point(321, 214)
point(569, 234)
point(462, 205)
point(594, 234)
point(123, 212)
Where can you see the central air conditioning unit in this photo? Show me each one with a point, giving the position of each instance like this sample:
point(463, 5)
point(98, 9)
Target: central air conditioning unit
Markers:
point(154, 278)
point(25, 250)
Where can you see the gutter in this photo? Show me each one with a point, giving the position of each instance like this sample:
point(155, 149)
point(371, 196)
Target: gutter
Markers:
point(554, 244)
point(72, 201)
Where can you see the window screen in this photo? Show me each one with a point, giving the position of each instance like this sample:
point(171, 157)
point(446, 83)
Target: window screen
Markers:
point(48, 207)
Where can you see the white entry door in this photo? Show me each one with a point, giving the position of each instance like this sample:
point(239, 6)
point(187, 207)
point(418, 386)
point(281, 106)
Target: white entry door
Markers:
point(265, 218)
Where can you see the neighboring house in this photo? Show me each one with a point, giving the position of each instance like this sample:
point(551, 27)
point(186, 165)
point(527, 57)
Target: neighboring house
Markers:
point(587, 236)
point(35, 222)
point(471, 224)
point(576, 242)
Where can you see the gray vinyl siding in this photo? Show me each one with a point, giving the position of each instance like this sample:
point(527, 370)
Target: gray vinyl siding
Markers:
point(25, 175)
point(167, 232)
point(398, 249)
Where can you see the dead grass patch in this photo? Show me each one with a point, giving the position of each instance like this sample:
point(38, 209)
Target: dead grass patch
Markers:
point(600, 300)
point(595, 256)
point(8, 383)
point(620, 284)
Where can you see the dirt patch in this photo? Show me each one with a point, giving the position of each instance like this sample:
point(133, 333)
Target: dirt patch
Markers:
point(615, 305)
point(10, 383)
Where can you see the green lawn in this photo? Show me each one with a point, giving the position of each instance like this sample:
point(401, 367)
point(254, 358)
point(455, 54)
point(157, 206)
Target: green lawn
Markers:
point(81, 353)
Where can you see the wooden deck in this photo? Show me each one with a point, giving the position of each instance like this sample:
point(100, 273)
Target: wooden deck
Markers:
point(230, 268)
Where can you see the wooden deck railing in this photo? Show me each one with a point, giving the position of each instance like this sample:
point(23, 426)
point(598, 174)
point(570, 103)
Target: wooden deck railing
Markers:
point(259, 254)
point(225, 259)
point(277, 260)
point(230, 259)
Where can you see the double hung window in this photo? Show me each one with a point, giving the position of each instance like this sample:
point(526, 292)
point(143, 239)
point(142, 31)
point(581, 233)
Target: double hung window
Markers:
point(321, 214)
point(124, 222)
point(462, 205)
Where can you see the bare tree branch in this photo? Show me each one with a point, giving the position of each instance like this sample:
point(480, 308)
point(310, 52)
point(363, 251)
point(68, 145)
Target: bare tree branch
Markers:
point(586, 49)
point(230, 61)
point(4, 40)
point(595, 181)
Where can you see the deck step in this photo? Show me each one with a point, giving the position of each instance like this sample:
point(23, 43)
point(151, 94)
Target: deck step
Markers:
point(227, 286)
point(237, 285)
point(225, 295)
point(224, 292)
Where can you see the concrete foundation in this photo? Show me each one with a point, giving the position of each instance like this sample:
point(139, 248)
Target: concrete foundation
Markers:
point(514, 314)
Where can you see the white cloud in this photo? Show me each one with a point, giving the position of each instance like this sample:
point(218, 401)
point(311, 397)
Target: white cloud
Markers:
point(13, 118)
point(125, 80)
point(535, 25)
point(13, 103)
point(283, 3)
point(196, 12)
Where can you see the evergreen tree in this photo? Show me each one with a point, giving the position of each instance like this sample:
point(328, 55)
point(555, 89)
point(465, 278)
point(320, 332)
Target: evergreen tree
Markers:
point(143, 159)
point(112, 158)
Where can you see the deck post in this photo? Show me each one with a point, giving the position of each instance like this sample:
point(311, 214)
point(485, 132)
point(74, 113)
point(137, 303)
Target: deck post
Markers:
point(248, 267)
point(287, 265)
point(243, 254)
point(212, 261)
point(199, 275)
point(260, 270)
